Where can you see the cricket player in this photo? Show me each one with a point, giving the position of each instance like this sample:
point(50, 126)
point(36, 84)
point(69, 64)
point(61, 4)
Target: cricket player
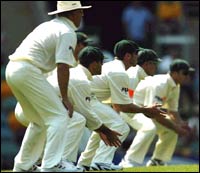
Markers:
point(79, 91)
point(48, 46)
point(114, 83)
point(163, 89)
point(80, 96)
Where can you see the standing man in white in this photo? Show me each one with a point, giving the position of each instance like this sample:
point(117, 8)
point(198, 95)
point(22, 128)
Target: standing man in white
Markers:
point(78, 91)
point(163, 89)
point(49, 45)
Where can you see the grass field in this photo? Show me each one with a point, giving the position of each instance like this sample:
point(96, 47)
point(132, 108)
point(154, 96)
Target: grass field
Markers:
point(171, 168)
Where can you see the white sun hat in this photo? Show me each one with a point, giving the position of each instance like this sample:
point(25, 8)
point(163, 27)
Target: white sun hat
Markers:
point(63, 6)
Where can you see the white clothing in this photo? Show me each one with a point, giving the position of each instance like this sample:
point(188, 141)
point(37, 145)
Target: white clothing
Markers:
point(43, 109)
point(74, 132)
point(112, 83)
point(96, 151)
point(50, 43)
point(79, 94)
point(136, 74)
point(161, 89)
point(157, 89)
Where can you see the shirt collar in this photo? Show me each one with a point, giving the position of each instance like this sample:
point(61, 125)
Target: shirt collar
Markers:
point(141, 70)
point(68, 22)
point(171, 80)
point(120, 62)
point(86, 71)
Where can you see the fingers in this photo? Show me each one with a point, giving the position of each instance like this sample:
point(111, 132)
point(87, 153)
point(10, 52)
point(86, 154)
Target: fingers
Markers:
point(117, 133)
point(157, 105)
point(164, 115)
point(70, 112)
point(107, 142)
point(116, 143)
point(112, 142)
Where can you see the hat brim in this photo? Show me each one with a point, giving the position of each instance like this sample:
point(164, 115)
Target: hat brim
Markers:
point(191, 69)
point(88, 41)
point(158, 60)
point(71, 9)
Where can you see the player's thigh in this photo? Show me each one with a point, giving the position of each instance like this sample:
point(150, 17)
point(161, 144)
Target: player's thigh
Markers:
point(19, 114)
point(35, 89)
point(141, 122)
point(77, 120)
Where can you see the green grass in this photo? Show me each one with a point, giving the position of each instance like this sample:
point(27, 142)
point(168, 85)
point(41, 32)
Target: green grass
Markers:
point(171, 168)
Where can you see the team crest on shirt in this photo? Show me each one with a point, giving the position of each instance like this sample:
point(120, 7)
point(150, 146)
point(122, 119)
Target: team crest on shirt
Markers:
point(87, 99)
point(124, 90)
point(158, 100)
point(71, 48)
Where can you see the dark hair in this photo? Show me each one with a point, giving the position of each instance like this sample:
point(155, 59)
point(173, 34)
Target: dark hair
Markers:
point(181, 65)
point(125, 46)
point(145, 55)
point(90, 54)
point(82, 38)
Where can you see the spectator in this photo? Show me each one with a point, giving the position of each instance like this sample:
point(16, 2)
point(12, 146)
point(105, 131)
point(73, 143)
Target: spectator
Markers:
point(171, 53)
point(138, 21)
point(170, 17)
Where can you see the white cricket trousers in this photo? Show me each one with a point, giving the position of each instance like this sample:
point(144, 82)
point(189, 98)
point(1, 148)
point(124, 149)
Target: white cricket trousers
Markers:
point(96, 150)
point(43, 109)
point(74, 132)
point(146, 131)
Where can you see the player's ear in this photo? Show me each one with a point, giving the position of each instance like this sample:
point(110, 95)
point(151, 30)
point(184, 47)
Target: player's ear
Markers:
point(127, 56)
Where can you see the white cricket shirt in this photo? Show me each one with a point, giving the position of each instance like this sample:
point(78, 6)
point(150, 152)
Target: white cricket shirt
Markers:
point(112, 83)
point(79, 94)
point(158, 89)
point(136, 74)
point(50, 43)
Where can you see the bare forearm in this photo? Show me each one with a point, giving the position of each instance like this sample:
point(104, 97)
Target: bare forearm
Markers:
point(167, 122)
point(151, 111)
point(128, 108)
point(175, 116)
point(102, 128)
point(63, 78)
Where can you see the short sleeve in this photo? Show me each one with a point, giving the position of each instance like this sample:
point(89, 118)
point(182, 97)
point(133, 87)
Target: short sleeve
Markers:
point(119, 84)
point(65, 49)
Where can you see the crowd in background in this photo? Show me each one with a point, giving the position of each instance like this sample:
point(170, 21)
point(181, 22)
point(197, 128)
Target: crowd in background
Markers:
point(167, 19)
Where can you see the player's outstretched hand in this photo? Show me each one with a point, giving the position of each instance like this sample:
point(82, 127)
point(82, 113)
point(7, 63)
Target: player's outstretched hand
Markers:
point(183, 129)
point(110, 137)
point(154, 111)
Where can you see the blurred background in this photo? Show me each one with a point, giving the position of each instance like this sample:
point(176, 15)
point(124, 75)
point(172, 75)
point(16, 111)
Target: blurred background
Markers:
point(171, 28)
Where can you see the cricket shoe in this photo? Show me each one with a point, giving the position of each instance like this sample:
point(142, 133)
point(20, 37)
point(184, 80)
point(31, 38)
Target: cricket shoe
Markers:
point(128, 164)
point(70, 164)
point(155, 162)
point(83, 167)
point(104, 166)
point(67, 163)
point(34, 168)
point(61, 167)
